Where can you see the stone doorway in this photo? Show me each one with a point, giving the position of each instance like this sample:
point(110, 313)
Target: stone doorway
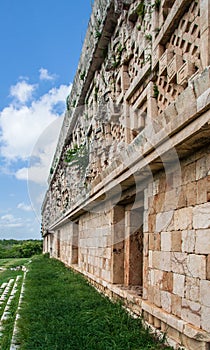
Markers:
point(133, 249)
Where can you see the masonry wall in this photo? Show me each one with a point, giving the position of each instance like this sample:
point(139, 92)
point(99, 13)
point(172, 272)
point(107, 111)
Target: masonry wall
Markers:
point(177, 235)
point(128, 203)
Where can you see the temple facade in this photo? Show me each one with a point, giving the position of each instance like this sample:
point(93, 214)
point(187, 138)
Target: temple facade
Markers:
point(128, 203)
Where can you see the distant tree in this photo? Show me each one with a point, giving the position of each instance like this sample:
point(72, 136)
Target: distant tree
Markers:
point(20, 249)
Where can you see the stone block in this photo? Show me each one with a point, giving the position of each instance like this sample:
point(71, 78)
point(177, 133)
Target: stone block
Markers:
point(170, 112)
point(163, 221)
point(188, 241)
point(166, 241)
point(170, 200)
point(178, 284)
point(176, 241)
point(201, 217)
point(173, 66)
point(196, 266)
point(196, 333)
point(150, 295)
point(202, 245)
point(167, 281)
point(191, 193)
point(203, 100)
point(191, 312)
point(157, 297)
point(205, 318)
point(165, 261)
point(205, 292)
point(205, 48)
point(154, 241)
point(192, 344)
point(164, 61)
point(203, 188)
point(146, 229)
point(205, 15)
point(208, 267)
point(189, 173)
point(151, 258)
point(176, 305)
point(159, 202)
point(183, 219)
point(185, 72)
point(202, 82)
point(156, 54)
point(201, 167)
point(156, 260)
point(166, 301)
point(174, 334)
point(158, 276)
point(184, 109)
point(192, 289)
point(179, 262)
point(151, 222)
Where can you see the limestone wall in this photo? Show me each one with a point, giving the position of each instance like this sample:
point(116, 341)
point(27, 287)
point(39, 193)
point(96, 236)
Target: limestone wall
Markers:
point(177, 237)
point(129, 194)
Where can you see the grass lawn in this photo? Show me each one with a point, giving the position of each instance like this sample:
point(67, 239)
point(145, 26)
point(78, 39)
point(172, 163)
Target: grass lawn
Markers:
point(61, 311)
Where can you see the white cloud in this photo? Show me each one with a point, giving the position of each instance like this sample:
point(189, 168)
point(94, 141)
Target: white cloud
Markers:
point(44, 75)
point(29, 133)
point(21, 127)
point(22, 91)
point(7, 217)
point(42, 155)
point(10, 221)
point(24, 207)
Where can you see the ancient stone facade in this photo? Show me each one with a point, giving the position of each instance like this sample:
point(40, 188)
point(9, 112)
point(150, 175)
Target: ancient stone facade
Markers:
point(128, 203)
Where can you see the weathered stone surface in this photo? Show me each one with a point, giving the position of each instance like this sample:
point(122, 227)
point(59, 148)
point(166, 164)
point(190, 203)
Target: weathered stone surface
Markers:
point(205, 318)
point(201, 217)
point(188, 241)
point(192, 289)
point(196, 266)
point(183, 219)
point(166, 241)
point(178, 284)
point(141, 204)
point(202, 245)
point(191, 312)
point(205, 290)
point(166, 301)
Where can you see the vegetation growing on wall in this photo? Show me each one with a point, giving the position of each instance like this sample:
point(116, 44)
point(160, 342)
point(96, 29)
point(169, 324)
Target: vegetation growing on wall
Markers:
point(78, 156)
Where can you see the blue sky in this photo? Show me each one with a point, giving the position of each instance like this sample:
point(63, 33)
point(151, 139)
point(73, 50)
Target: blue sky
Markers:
point(40, 43)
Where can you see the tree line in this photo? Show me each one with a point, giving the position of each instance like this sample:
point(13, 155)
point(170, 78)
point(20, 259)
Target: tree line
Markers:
point(11, 248)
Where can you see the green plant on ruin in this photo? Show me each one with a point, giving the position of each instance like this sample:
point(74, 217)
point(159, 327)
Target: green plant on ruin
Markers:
point(141, 10)
point(96, 93)
point(67, 103)
point(78, 156)
point(116, 58)
point(98, 22)
point(82, 75)
point(148, 37)
point(97, 34)
point(73, 103)
point(155, 91)
point(157, 4)
point(51, 171)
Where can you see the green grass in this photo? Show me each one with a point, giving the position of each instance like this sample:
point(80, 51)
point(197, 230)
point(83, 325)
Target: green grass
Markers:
point(7, 263)
point(61, 311)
